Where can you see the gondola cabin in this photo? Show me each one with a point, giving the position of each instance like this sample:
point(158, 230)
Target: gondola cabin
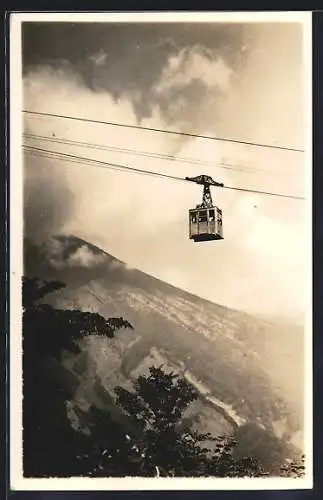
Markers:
point(206, 219)
point(205, 224)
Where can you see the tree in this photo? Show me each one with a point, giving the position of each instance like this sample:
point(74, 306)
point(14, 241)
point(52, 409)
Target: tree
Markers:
point(34, 290)
point(294, 468)
point(110, 450)
point(158, 403)
point(56, 329)
point(50, 443)
point(225, 463)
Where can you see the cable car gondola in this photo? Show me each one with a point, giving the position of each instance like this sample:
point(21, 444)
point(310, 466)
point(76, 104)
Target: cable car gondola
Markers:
point(205, 221)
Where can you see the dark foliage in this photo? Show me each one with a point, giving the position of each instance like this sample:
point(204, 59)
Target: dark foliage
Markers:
point(225, 463)
point(294, 468)
point(51, 446)
point(33, 290)
point(158, 403)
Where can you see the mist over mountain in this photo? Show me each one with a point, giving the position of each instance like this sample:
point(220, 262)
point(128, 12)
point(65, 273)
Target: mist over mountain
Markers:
point(238, 363)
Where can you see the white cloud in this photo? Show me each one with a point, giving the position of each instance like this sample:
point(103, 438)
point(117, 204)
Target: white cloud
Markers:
point(83, 256)
point(193, 64)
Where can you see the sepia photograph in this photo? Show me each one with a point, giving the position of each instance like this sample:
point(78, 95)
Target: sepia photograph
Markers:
point(160, 191)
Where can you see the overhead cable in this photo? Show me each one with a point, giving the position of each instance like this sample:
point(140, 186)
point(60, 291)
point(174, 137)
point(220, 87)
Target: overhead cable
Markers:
point(103, 164)
point(164, 131)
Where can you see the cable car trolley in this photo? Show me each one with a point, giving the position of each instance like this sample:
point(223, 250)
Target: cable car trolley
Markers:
point(205, 221)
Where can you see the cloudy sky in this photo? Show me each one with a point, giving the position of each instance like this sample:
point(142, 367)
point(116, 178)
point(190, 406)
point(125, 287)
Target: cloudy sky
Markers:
point(240, 80)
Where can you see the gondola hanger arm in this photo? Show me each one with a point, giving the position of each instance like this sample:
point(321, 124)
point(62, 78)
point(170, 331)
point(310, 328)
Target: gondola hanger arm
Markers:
point(204, 180)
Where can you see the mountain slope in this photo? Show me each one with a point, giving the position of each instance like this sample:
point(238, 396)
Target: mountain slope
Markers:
point(236, 360)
